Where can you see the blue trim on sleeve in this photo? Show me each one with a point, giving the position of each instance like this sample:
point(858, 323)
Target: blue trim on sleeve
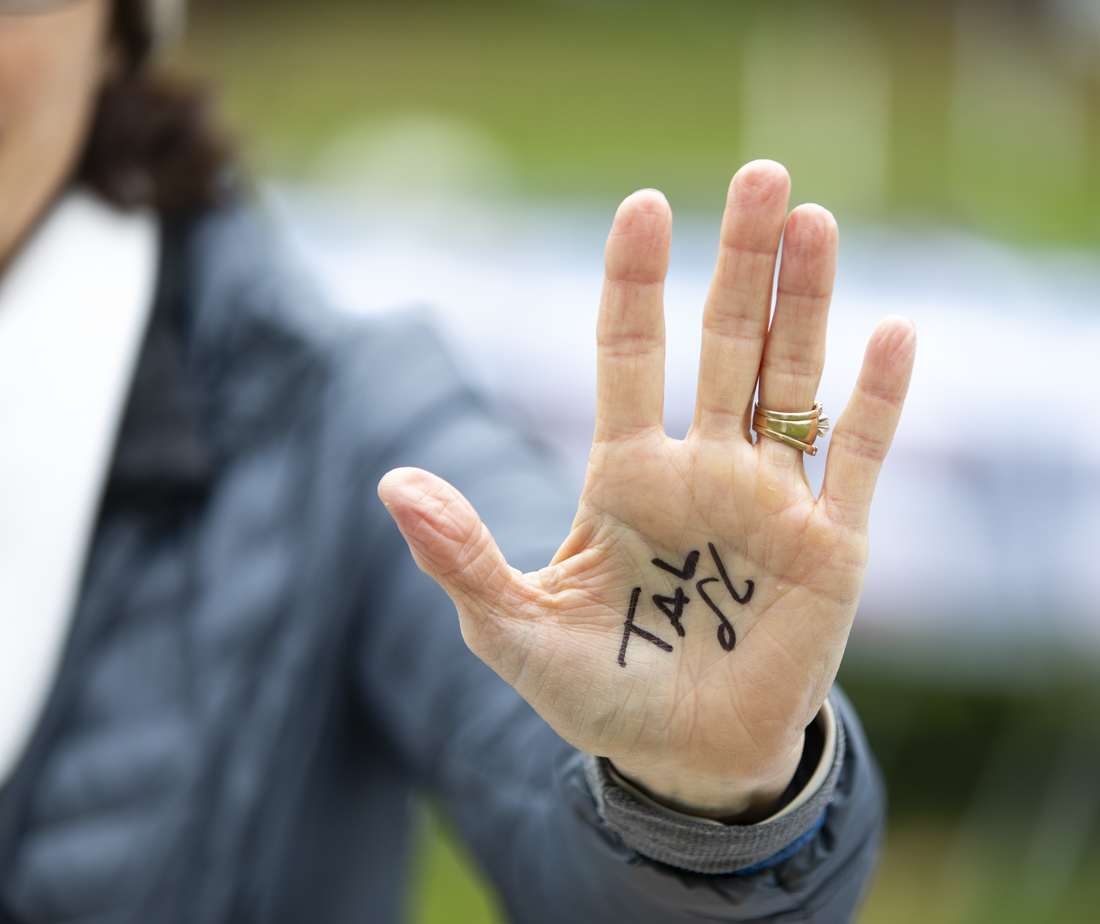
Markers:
point(787, 852)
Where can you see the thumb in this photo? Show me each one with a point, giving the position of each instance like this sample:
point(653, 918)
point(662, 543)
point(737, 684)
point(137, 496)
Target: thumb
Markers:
point(448, 541)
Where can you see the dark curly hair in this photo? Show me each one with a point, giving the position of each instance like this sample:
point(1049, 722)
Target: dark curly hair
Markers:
point(153, 140)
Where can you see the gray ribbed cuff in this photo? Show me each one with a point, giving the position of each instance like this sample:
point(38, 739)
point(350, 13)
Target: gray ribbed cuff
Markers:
point(703, 846)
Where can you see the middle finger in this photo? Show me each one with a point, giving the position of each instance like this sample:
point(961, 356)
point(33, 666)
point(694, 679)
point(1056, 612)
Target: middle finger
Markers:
point(735, 320)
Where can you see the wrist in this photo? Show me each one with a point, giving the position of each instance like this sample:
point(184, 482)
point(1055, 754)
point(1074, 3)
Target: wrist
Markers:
point(733, 801)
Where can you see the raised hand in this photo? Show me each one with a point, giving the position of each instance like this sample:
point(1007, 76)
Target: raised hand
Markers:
point(692, 623)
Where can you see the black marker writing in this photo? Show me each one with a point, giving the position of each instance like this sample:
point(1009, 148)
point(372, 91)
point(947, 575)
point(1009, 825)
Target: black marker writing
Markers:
point(726, 579)
point(689, 566)
point(726, 636)
point(677, 600)
point(638, 630)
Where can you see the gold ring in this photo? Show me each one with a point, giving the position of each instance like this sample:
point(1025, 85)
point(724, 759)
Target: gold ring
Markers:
point(798, 428)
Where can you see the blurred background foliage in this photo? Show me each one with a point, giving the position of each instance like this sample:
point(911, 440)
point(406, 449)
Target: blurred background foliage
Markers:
point(980, 116)
point(984, 115)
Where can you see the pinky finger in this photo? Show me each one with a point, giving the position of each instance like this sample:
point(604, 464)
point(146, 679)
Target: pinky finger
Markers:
point(866, 428)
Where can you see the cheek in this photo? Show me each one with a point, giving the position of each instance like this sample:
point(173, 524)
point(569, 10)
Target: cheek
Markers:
point(48, 77)
point(49, 74)
point(28, 87)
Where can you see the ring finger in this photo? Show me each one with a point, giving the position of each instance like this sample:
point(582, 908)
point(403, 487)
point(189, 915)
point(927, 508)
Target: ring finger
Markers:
point(794, 352)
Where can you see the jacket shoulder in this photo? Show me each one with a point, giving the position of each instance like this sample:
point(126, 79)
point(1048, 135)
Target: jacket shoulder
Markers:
point(268, 346)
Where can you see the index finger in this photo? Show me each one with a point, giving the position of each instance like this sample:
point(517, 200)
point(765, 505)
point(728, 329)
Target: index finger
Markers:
point(630, 333)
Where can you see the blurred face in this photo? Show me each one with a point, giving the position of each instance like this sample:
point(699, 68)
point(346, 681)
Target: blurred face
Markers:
point(51, 66)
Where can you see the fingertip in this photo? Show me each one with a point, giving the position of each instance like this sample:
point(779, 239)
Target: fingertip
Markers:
point(811, 222)
point(810, 239)
point(895, 339)
point(640, 238)
point(411, 495)
point(398, 482)
point(756, 207)
point(900, 323)
point(760, 180)
point(888, 363)
point(430, 512)
point(763, 173)
point(647, 199)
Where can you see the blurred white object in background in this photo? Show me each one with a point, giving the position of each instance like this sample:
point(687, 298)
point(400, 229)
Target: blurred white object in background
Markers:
point(984, 529)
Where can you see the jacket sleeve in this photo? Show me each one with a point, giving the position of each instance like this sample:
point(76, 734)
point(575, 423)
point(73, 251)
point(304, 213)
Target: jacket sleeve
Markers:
point(516, 792)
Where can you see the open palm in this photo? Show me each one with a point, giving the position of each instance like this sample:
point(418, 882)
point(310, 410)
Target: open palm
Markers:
point(691, 625)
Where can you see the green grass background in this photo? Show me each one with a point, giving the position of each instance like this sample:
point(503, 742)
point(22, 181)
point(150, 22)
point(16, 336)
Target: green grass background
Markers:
point(896, 109)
